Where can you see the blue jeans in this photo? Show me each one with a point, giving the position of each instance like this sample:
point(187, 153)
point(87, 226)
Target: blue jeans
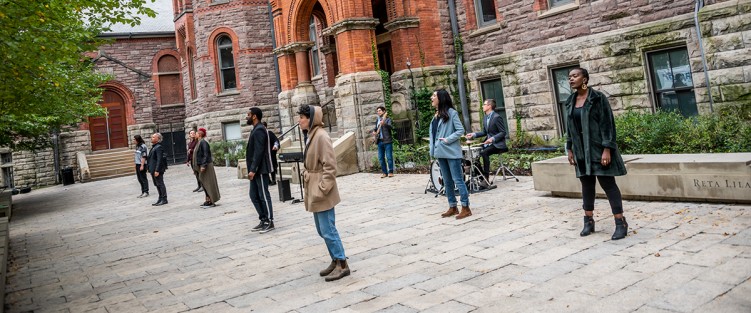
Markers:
point(451, 171)
point(326, 227)
point(386, 150)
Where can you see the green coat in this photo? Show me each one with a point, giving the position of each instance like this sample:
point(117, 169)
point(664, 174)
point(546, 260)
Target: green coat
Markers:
point(598, 132)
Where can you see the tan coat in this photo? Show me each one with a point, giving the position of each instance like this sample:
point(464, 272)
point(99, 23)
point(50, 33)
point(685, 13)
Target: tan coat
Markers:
point(319, 175)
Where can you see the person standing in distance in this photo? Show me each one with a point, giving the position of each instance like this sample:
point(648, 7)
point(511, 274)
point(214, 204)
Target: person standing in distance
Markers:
point(321, 192)
point(141, 165)
point(191, 147)
point(204, 163)
point(258, 159)
point(274, 141)
point(157, 166)
point(382, 133)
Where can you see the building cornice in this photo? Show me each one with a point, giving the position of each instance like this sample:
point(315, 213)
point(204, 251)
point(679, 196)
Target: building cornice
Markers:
point(351, 24)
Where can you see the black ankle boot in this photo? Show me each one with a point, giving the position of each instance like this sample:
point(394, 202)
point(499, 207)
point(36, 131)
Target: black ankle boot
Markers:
point(621, 229)
point(589, 226)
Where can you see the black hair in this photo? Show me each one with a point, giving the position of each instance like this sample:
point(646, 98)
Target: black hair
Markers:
point(382, 108)
point(257, 112)
point(304, 110)
point(584, 72)
point(139, 140)
point(444, 104)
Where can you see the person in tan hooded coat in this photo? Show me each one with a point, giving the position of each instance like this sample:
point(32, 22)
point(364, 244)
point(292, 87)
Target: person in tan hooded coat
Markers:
point(321, 193)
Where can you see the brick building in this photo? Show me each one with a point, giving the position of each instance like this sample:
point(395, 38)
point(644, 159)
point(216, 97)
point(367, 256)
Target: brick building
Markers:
point(220, 53)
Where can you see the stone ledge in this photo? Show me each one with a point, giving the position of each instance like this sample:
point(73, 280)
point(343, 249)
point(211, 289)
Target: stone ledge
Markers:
point(719, 177)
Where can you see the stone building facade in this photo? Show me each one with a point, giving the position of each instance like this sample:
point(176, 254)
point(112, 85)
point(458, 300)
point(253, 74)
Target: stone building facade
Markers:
point(642, 54)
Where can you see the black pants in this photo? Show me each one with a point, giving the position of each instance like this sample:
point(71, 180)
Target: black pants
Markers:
point(159, 183)
point(485, 153)
point(608, 185)
point(197, 180)
point(260, 196)
point(141, 175)
point(274, 164)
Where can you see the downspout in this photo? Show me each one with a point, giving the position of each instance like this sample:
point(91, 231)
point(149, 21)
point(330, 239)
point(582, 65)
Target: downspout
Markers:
point(459, 66)
point(699, 5)
point(276, 67)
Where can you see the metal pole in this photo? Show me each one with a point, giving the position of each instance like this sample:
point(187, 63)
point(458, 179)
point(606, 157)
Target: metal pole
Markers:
point(459, 66)
point(699, 5)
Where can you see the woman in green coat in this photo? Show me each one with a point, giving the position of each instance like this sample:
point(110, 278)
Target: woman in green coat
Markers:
point(592, 150)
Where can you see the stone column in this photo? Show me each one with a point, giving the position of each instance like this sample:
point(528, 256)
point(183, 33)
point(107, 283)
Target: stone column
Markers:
point(356, 97)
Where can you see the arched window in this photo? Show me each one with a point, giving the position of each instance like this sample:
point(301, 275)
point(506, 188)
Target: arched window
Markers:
point(170, 87)
point(192, 74)
point(315, 65)
point(226, 63)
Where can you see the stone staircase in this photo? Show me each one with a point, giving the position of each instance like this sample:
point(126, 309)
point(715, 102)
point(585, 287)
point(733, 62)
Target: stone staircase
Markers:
point(110, 164)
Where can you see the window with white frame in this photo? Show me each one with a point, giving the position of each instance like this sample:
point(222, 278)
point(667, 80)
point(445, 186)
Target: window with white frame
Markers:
point(485, 10)
point(557, 3)
point(231, 131)
point(226, 63)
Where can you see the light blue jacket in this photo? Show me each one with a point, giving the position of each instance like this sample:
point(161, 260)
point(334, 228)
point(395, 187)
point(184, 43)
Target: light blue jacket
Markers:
point(452, 130)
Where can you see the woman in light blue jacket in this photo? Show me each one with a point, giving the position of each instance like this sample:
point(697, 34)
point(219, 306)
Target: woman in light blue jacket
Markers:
point(445, 131)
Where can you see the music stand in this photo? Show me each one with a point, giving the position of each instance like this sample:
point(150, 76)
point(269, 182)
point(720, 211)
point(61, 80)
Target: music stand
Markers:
point(503, 169)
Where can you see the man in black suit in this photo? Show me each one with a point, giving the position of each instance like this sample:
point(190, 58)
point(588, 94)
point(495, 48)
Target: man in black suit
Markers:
point(157, 165)
point(493, 128)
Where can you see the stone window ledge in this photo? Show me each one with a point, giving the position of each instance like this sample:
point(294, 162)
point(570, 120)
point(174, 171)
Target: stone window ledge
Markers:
point(228, 93)
point(562, 9)
point(485, 30)
point(219, 2)
point(174, 105)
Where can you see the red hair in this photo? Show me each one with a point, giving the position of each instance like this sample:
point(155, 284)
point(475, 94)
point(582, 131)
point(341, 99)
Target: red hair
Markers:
point(202, 130)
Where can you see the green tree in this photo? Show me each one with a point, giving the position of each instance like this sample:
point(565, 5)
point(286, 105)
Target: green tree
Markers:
point(46, 81)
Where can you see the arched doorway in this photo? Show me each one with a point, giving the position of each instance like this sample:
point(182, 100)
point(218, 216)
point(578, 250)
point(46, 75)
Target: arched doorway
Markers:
point(109, 131)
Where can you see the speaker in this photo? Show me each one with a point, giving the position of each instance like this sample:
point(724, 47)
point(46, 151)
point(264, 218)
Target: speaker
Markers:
point(284, 190)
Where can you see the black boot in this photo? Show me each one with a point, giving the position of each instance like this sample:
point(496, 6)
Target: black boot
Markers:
point(589, 226)
point(621, 229)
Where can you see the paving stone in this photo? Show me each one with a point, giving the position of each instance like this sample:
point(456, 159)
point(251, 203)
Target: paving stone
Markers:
point(128, 256)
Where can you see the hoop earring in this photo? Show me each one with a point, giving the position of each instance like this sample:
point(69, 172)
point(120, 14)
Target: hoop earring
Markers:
point(584, 86)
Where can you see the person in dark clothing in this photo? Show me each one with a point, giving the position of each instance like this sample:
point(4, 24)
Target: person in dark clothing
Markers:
point(592, 150)
point(382, 133)
point(191, 147)
point(157, 166)
point(203, 163)
point(258, 160)
point(140, 159)
point(274, 142)
point(495, 143)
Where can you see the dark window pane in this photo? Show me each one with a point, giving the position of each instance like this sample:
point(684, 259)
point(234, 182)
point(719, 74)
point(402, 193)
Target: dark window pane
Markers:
point(681, 68)
point(672, 82)
point(487, 10)
point(228, 78)
point(226, 58)
point(493, 89)
point(224, 41)
point(661, 71)
point(562, 92)
point(555, 3)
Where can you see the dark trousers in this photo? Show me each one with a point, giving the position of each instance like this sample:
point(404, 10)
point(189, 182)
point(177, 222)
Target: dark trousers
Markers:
point(608, 185)
point(485, 153)
point(275, 164)
point(159, 183)
point(261, 198)
point(141, 175)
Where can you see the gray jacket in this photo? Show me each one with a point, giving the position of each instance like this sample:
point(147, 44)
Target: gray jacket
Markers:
point(385, 131)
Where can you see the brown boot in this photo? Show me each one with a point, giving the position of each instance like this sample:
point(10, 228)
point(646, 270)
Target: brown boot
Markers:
point(465, 212)
point(452, 210)
point(340, 270)
point(329, 269)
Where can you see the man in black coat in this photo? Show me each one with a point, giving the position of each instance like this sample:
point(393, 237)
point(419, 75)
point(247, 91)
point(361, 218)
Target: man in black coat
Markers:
point(258, 160)
point(274, 143)
point(157, 165)
point(493, 128)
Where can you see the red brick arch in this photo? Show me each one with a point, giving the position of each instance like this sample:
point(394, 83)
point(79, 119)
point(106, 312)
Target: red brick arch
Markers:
point(300, 18)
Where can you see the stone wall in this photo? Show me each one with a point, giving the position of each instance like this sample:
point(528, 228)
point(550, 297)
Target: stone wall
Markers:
point(356, 97)
point(37, 168)
point(617, 66)
point(247, 23)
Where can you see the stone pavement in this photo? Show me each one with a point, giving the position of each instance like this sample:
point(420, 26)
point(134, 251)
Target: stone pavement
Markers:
point(94, 247)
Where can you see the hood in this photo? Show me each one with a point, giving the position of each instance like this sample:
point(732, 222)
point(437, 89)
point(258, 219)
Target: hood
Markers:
point(316, 116)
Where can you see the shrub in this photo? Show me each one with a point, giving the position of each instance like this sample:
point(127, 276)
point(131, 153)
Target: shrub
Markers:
point(224, 150)
point(727, 130)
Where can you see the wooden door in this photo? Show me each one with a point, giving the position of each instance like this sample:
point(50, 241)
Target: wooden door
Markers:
point(109, 131)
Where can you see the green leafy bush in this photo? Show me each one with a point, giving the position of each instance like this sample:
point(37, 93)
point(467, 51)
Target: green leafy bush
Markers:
point(223, 150)
point(727, 130)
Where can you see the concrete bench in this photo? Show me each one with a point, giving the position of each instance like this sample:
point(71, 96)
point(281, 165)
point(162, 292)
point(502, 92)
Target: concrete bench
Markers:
point(716, 177)
point(3, 258)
